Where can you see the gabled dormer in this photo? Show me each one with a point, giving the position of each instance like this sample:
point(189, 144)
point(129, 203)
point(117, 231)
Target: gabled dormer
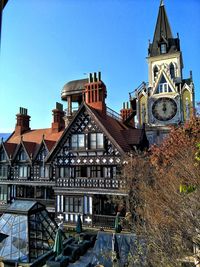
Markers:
point(22, 160)
point(41, 169)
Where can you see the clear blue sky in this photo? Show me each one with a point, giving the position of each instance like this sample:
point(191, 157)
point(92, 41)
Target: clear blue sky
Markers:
point(46, 43)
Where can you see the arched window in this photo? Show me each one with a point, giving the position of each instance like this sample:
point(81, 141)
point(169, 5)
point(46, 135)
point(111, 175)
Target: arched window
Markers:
point(155, 72)
point(172, 71)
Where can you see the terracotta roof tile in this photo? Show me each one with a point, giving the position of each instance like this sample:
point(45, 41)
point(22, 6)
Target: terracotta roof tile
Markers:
point(10, 149)
point(30, 148)
point(122, 134)
point(49, 144)
point(36, 136)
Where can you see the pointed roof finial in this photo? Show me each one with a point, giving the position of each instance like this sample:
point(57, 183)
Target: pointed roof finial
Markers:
point(161, 2)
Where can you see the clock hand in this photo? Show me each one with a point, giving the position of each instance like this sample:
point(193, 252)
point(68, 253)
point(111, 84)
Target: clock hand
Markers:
point(164, 107)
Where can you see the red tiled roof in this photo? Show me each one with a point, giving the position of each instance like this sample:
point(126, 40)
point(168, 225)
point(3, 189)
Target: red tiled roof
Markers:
point(122, 134)
point(36, 136)
point(10, 149)
point(133, 136)
point(30, 148)
point(49, 144)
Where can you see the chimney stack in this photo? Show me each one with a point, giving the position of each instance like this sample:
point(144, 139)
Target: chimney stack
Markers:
point(58, 123)
point(23, 120)
point(126, 113)
point(95, 93)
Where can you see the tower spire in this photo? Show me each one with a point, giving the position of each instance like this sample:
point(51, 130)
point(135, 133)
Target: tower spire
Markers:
point(161, 2)
point(162, 34)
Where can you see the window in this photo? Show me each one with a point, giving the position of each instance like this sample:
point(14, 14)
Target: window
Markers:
point(96, 141)
point(107, 173)
point(22, 155)
point(78, 141)
point(82, 171)
point(95, 171)
point(73, 204)
point(3, 171)
point(40, 192)
point(20, 191)
point(66, 172)
point(163, 88)
point(44, 171)
point(3, 193)
point(23, 171)
point(163, 49)
point(2, 156)
point(172, 70)
point(155, 72)
point(42, 155)
point(30, 192)
point(50, 193)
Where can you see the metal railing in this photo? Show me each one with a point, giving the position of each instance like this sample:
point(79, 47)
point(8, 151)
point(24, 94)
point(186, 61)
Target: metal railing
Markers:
point(113, 114)
point(138, 89)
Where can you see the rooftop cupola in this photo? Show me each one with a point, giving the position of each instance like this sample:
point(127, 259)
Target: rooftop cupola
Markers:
point(95, 92)
point(23, 120)
point(163, 41)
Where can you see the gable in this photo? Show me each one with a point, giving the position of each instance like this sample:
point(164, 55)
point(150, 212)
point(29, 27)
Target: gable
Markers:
point(83, 130)
point(163, 85)
point(42, 153)
point(21, 154)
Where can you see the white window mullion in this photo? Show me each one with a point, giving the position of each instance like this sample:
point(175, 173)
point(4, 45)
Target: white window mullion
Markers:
point(58, 203)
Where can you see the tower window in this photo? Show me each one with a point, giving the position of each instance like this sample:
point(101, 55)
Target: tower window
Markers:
point(163, 49)
point(172, 70)
point(155, 72)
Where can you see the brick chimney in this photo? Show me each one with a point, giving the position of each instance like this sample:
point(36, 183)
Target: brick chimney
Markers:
point(22, 121)
point(95, 93)
point(58, 123)
point(127, 114)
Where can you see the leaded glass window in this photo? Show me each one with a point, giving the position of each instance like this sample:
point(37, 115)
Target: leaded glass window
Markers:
point(3, 192)
point(78, 141)
point(96, 141)
point(73, 204)
point(3, 171)
point(2, 155)
point(23, 171)
point(22, 155)
point(66, 172)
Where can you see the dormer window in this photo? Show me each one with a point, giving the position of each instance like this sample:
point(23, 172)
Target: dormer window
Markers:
point(22, 155)
point(163, 48)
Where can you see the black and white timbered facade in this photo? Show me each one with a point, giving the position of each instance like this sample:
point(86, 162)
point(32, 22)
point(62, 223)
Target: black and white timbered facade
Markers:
point(74, 167)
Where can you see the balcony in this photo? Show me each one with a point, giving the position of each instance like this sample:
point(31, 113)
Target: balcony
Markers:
point(93, 183)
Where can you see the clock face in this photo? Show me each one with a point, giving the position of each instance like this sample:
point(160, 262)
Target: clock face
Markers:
point(164, 109)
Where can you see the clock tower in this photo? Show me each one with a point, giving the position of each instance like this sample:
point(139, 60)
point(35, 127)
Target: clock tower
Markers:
point(167, 99)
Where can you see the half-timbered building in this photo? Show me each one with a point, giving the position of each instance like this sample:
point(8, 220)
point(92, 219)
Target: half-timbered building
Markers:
point(74, 167)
